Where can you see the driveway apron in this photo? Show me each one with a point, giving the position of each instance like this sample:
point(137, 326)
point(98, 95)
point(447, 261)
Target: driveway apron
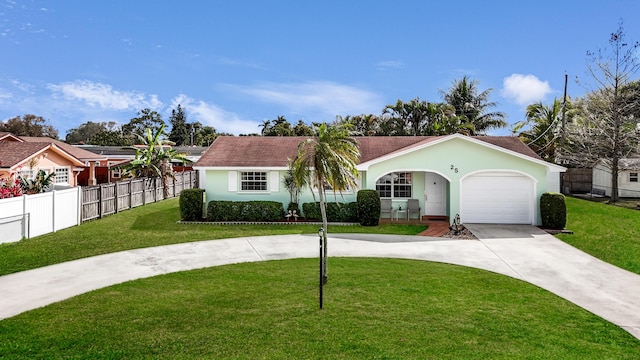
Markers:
point(543, 260)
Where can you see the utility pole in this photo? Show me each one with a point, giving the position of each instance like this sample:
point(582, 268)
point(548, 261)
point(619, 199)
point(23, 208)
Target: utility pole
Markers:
point(564, 121)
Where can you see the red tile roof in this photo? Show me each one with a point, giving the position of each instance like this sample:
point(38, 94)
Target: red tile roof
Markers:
point(268, 151)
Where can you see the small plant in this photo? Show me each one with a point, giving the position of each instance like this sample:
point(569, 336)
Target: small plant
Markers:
point(289, 182)
point(553, 210)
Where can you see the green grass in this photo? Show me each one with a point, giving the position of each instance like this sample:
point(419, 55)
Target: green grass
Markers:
point(374, 309)
point(608, 232)
point(146, 226)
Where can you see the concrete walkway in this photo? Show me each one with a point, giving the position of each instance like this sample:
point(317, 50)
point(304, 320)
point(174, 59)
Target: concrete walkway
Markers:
point(520, 251)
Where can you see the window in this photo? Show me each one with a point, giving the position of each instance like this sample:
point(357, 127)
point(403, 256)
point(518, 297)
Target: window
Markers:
point(633, 177)
point(62, 175)
point(395, 185)
point(253, 181)
point(27, 173)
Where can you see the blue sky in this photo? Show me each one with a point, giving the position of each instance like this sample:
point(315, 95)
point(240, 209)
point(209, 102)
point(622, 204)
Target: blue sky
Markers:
point(233, 64)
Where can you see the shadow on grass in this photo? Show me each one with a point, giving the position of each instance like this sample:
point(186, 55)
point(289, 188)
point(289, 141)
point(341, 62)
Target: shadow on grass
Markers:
point(160, 219)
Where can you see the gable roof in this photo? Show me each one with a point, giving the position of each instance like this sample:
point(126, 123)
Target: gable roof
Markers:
point(275, 152)
point(78, 153)
point(14, 153)
point(7, 136)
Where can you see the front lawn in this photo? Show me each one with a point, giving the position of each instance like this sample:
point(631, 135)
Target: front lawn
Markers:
point(374, 309)
point(608, 232)
point(146, 226)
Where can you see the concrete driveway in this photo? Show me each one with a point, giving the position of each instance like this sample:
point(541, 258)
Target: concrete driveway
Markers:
point(520, 251)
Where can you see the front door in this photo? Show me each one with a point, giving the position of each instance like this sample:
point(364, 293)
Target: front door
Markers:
point(435, 194)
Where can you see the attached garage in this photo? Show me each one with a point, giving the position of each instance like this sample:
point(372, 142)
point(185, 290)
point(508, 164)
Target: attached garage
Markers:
point(497, 198)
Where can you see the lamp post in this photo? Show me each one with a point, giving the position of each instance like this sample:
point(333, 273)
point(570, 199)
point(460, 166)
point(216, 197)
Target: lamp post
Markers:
point(321, 236)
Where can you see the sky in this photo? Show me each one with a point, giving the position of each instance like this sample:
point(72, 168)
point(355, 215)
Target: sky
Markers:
point(234, 64)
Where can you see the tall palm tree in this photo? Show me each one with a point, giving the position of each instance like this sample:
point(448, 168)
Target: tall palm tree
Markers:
point(328, 159)
point(154, 157)
point(544, 128)
point(472, 107)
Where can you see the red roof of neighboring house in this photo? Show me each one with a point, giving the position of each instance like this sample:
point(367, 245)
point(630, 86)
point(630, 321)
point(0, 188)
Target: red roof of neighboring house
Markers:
point(269, 151)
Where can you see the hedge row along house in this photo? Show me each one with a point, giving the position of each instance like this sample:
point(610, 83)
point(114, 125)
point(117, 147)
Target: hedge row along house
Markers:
point(484, 179)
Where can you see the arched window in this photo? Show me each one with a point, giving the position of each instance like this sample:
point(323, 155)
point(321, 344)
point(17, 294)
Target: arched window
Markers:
point(395, 185)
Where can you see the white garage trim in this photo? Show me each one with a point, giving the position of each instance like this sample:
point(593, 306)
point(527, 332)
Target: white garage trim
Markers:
point(498, 197)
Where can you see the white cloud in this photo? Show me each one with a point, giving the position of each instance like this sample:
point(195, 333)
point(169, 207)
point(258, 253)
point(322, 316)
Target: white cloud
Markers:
point(327, 98)
point(213, 115)
point(525, 89)
point(394, 64)
point(104, 96)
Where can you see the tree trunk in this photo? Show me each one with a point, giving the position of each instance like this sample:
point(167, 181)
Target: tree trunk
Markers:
point(614, 180)
point(166, 174)
point(323, 211)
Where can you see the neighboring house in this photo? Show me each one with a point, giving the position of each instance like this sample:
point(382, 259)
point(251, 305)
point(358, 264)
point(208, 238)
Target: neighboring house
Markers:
point(485, 179)
point(113, 156)
point(628, 179)
point(17, 158)
point(18, 153)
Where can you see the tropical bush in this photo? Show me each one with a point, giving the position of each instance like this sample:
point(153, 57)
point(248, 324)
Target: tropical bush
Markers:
point(40, 183)
point(553, 210)
point(9, 187)
point(219, 210)
point(368, 207)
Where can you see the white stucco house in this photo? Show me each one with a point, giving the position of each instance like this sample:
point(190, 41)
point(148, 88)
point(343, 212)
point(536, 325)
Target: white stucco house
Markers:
point(628, 180)
point(484, 179)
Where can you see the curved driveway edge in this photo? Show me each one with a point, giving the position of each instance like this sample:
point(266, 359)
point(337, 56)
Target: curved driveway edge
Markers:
point(522, 252)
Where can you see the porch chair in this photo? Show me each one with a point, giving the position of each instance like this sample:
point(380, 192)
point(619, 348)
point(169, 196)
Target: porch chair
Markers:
point(385, 207)
point(413, 207)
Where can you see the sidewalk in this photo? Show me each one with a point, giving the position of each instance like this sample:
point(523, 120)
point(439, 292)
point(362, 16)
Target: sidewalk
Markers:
point(521, 252)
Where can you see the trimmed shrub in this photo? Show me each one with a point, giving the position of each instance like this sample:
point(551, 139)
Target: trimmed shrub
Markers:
point(368, 207)
point(293, 206)
point(219, 210)
point(341, 212)
point(553, 210)
point(191, 204)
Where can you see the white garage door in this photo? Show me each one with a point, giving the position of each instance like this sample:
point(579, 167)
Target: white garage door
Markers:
point(497, 198)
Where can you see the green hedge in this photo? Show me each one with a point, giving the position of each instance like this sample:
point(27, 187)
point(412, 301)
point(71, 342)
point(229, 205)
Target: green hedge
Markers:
point(341, 212)
point(368, 207)
point(191, 204)
point(553, 210)
point(245, 211)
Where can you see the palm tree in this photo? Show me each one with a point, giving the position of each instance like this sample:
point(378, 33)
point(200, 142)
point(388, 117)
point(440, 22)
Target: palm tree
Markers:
point(328, 159)
point(544, 132)
point(471, 106)
point(153, 159)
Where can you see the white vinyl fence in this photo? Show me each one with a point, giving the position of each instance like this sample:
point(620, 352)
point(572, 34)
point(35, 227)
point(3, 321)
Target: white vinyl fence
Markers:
point(33, 215)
